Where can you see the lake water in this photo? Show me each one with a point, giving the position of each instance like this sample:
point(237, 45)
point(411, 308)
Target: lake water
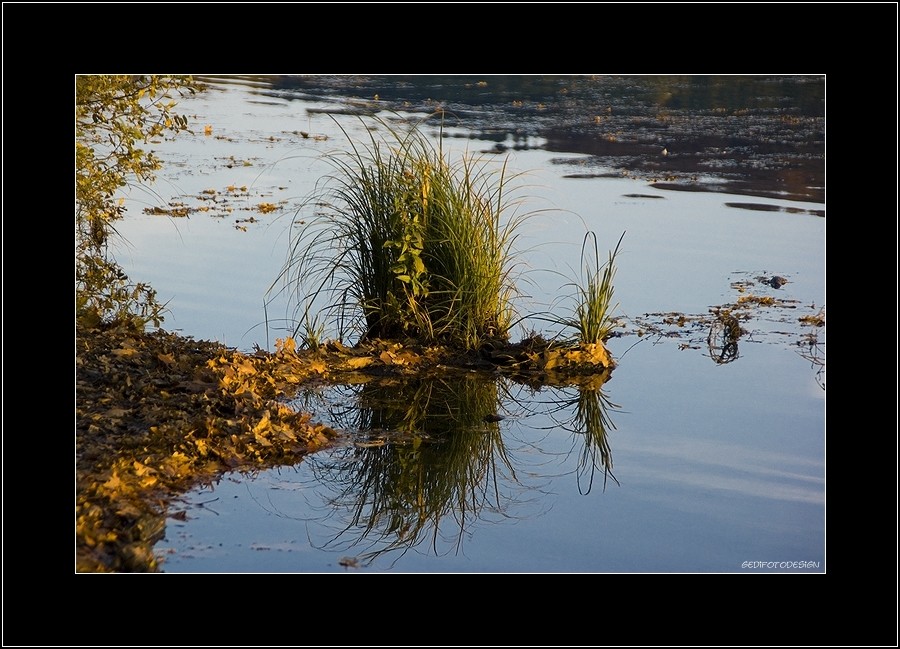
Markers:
point(712, 463)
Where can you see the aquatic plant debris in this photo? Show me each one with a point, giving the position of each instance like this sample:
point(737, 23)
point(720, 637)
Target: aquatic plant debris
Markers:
point(763, 316)
point(220, 203)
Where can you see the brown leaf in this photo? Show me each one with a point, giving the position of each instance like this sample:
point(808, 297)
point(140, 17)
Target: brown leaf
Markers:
point(358, 362)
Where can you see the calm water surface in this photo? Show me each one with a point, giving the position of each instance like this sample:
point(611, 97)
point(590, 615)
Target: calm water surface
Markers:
point(676, 464)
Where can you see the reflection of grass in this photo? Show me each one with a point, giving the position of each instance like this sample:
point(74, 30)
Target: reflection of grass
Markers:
point(592, 421)
point(585, 414)
point(443, 468)
point(814, 352)
point(722, 341)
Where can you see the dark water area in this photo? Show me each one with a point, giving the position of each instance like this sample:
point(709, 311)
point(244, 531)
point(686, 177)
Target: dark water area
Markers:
point(751, 135)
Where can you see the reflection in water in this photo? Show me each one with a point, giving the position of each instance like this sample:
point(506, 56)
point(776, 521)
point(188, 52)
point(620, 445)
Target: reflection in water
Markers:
point(429, 459)
point(724, 332)
point(582, 410)
point(591, 422)
point(814, 352)
point(764, 135)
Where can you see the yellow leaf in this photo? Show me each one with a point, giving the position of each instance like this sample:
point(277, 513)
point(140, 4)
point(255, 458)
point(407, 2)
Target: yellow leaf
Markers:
point(551, 359)
point(287, 344)
point(407, 358)
point(386, 357)
point(113, 483)
point(357, 362)
point(287, 434)
point(124, 351)
point(262, 425)
point(598, 354)
point(317, 366)
point(143, 469)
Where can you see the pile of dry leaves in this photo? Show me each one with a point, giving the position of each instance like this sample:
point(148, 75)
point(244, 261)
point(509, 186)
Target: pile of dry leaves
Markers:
point(158, 413)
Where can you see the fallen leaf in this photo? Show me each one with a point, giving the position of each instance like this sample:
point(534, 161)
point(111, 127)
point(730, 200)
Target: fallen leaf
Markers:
point(358, 362)
point(263, 424)
point(143, 469)
point(168, 359)
point(114, 482)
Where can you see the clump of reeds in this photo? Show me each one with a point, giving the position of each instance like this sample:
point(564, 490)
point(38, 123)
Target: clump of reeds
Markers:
point(409, 244)
point(592, 316)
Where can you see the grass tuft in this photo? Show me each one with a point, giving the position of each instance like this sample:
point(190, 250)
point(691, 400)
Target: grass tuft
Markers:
point(406, 243)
